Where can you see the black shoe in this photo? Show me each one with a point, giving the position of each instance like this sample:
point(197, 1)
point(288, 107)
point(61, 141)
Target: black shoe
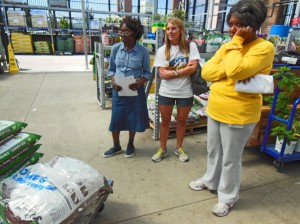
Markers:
point(112, 151)
point(130, 151)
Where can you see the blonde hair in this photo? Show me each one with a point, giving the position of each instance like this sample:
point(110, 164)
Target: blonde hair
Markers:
point(183, 43)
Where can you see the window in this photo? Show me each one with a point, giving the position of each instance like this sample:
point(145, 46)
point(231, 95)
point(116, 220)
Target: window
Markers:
point(164, 7)
point(200, 13)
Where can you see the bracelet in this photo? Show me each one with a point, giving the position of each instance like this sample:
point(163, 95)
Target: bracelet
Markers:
point(175, 73)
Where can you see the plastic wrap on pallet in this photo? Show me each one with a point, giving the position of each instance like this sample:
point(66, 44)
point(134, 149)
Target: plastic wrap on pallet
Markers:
point(94, 24)
point(16, 18)
point(58, 3)
point(22, 42)
point(63, 190)
point(79, 44)
point(39, 19)
point(77, 23)
point(65, 44)
point(16, 1)
point(42, 47)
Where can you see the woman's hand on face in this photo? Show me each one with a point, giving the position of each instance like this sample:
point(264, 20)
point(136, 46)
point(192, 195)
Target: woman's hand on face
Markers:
point(244, 32)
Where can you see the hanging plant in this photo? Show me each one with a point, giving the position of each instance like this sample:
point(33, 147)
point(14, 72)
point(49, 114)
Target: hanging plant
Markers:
point(178, 13)
point(64, 23)
point(157, 17)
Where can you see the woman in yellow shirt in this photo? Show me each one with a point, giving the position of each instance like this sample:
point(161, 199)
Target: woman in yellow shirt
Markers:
point(233, 115)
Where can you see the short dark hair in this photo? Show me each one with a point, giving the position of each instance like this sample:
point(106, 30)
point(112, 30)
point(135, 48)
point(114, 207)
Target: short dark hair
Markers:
point(250, 12)
point(135, 25)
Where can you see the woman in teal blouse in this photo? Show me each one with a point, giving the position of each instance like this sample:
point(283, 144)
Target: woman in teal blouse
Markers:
point(129, 113)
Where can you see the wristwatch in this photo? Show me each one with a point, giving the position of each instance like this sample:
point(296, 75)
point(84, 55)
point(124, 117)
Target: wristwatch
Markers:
point(175, 73)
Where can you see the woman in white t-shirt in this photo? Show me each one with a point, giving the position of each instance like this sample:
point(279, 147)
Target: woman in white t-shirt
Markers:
point(176, 61)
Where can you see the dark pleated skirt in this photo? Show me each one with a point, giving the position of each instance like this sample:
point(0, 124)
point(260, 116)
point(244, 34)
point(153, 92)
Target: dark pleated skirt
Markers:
point(129, 113)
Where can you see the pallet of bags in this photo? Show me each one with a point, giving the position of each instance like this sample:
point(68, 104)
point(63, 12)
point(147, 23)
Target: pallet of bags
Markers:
point(15, 1)
point(42, 47)
point(17, 151)
point(8, 129)
point(16, 18)
point(64, 190)
point(22, 42)
point(58, 3)
point(29, 157)
point(79, 44)
point(39, 19)
point(65, 44)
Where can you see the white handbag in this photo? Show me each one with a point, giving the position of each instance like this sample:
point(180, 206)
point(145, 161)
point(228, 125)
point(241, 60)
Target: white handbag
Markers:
point(260, 83)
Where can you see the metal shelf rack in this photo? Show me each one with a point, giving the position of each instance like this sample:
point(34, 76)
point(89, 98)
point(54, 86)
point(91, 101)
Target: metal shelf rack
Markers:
point(101, 74)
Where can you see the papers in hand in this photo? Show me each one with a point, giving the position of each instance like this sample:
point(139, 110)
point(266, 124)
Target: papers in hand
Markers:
point(124, 82)
point(258, 84)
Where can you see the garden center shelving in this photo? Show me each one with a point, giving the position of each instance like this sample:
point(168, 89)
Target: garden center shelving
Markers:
point(56, 11)
point(101, 75)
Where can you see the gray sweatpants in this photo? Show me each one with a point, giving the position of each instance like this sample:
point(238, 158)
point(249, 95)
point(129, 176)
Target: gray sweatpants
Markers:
point(225, 145)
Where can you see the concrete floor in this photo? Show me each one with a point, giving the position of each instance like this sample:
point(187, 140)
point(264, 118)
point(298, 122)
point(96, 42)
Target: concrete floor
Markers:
point(56, 97)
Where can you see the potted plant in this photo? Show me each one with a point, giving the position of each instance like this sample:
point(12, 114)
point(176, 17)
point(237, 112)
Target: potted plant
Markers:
point(297, 133)
point(286, 82)
point(281, 132)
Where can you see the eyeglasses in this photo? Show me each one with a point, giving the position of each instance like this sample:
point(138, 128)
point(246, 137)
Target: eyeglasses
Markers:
point(124, 33)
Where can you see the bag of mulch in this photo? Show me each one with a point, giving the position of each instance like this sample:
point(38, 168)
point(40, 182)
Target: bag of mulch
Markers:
point(63, 190)
point(18, 160)
point(16, 146)
point(8, 129)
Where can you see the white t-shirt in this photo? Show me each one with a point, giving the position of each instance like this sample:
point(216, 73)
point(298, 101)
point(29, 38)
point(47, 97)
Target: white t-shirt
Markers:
point(178, 87)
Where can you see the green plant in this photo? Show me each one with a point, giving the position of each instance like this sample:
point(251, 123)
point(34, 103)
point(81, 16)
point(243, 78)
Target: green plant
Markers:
point(281, 108)
point(281, 132)
point(286, 81)
point(64, 23)
point(296, 127)
point(178, 13)
point(108, 19)
point(157, 17)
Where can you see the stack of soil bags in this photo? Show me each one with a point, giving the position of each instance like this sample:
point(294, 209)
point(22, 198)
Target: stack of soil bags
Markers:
point(8, 129)
point(63, 190)
point(17, 149)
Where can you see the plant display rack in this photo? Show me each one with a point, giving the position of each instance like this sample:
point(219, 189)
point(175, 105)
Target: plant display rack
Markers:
point(57, 13)
point(101, 75)
point(280, 157)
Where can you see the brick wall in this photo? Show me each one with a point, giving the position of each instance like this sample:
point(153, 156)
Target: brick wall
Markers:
point(272, 18)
